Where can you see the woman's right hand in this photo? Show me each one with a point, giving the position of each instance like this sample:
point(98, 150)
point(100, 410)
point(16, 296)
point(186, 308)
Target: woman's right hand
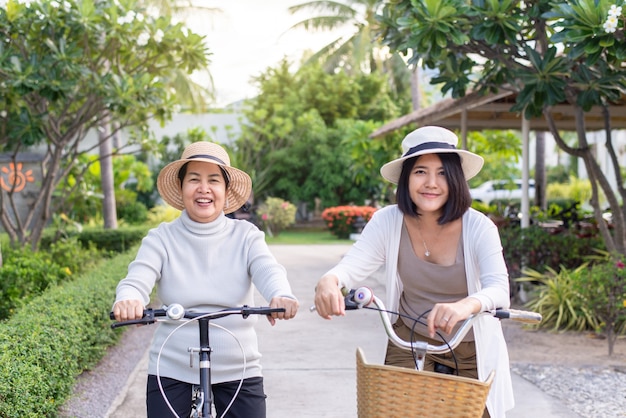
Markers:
point(328, 298)
point(127, 310)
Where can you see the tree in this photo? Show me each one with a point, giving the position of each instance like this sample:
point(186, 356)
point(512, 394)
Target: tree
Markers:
point(67, 66)
point(355, 51)
point(190, 96)
point(501, 151)
point(549, 53)
point(293, 144)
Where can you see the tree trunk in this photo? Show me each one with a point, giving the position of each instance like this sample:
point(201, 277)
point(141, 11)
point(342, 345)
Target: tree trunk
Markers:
point(415, 88)
point(109, 212)
point(540, 170)
point(615, 240)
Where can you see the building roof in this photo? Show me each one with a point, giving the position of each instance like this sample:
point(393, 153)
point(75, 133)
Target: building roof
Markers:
point(492, 111)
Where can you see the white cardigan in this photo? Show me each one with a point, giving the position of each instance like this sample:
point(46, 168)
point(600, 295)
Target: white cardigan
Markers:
point(487, 281)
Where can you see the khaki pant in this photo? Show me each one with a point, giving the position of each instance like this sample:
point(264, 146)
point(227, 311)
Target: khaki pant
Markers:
point(465, 355)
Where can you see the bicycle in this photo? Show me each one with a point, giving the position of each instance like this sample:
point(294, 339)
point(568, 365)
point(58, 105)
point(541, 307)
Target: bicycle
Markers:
point(384, 390)
point(202, 404)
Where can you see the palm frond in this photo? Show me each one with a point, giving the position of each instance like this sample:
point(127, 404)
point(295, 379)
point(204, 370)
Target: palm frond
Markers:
point(331, 7)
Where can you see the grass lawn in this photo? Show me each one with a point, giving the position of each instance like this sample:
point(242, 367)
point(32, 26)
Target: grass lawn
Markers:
point(305, 236)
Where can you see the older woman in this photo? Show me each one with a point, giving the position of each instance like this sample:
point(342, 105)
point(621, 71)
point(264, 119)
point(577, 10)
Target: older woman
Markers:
point(205, 261)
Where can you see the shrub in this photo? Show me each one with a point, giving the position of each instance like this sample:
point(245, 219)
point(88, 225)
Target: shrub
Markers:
point(558, 300)
point(71, 254)
point(341, 220)
point(105, 240)
point(275, 215)
point(575, 189)
point(113, 240)
point(134, 213)
point(591, 297)
point(24, 275)
point(537, 248)
point(603, 290)
point(54, 338)
point(162, 213)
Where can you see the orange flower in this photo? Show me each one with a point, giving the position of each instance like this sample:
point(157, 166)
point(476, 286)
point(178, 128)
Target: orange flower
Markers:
point(341, 219)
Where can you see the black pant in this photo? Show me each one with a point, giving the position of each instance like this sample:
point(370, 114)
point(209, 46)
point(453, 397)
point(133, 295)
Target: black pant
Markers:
point(250, 402)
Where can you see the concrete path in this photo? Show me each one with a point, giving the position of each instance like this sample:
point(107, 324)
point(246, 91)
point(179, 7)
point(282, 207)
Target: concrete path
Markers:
point(309, 363)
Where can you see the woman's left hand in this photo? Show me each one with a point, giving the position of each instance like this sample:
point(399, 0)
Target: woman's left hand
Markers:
point(444, 316)
point(290, 306)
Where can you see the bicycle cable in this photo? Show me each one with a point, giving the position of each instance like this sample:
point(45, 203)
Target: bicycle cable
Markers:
point(413, 333)
point(158, 363)
point(419, 320)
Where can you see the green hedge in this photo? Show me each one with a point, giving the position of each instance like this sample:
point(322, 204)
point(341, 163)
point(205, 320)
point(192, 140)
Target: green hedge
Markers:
point(112, 240)
point(54, 338)
point(26, 274)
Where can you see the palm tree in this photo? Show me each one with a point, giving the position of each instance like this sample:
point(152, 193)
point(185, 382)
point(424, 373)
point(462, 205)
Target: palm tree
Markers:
point(357, 50)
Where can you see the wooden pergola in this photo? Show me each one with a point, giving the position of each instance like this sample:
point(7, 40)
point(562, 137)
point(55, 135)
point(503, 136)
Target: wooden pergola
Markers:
point(492, 111)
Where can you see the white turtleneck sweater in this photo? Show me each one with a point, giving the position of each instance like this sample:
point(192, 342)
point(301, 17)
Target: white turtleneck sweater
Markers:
point(205, 267)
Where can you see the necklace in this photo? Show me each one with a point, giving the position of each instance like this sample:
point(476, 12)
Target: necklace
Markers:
point(427, 252)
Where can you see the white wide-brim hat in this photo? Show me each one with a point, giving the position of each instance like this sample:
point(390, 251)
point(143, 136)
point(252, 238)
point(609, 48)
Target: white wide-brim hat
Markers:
point(431, 140)
point(239, 183)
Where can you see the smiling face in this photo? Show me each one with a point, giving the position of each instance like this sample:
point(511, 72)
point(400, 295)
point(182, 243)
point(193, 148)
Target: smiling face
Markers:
point(428, 185)
point(204, 191)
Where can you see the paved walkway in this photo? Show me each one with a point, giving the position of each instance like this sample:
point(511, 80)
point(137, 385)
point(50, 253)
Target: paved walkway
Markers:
point(309, 363)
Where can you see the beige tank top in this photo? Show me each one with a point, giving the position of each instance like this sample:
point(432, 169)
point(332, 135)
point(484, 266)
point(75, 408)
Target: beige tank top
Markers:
point(425, 284)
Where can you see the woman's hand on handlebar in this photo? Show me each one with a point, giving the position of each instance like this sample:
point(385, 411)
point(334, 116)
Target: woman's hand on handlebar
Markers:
point(444, 316)
point(328, 298)
point(290, 306)
point(128, 310)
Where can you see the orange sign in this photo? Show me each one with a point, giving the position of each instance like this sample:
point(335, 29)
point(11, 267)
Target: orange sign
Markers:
point(14, 179)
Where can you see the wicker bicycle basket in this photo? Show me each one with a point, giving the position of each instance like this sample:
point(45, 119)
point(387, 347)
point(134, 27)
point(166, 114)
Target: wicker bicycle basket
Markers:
point(390, 391)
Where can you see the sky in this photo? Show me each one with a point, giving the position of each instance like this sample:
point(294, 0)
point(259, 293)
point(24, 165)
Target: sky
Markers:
point(245, 39)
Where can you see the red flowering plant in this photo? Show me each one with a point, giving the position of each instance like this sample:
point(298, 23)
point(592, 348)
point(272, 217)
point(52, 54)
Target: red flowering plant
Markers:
point(345, 220)
point(603, 290)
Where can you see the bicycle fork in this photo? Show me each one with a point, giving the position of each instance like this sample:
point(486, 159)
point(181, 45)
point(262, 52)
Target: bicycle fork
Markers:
point(204, 354)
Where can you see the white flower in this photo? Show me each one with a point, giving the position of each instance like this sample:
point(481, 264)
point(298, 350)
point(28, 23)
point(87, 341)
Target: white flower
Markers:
point(130, 16)
point(610, 25)
point(158, 36)
point(3, 114)
point(615, 11)
point(143, 39)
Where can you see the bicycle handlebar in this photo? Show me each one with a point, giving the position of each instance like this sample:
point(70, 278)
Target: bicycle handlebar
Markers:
point(176, 311)
point(363, 297)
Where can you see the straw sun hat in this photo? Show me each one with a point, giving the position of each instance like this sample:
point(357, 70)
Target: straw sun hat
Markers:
point(431, 140)
point(239, 186)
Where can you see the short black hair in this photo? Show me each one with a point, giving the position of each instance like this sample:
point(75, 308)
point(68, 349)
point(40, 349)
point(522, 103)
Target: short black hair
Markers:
point(183, 171)
point(459, 198)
